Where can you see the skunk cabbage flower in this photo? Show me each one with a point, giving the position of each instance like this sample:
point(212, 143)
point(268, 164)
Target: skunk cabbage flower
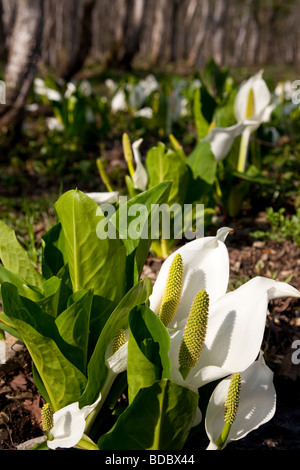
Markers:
point(54, 124)
point(104, 197)
point(69, 425)
point(221, 138)
point(232, 323)
point(252, 102)
point(40, 88)
point(118, 102)
point(140, 176)
point(149, 84)
point(233, 333)
point(136, 96)
point(231, 414)
point(116, 362)
point(145, 112)
point(205, 266)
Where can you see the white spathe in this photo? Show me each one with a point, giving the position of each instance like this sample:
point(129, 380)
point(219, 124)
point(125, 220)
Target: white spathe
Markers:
point(236, 319)
point(206, 266)
point(257, 404)
point(104, 197)
point(262, 109)
point(140, 176)
point(222, 138)
point(69, 424)
point(235, 328)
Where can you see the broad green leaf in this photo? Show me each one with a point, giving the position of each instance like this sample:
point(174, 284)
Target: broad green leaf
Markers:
point(224, 114)
point(214, 78)
point(49, 304)
point(63, 381)
point(6, 324)
point(126, 215)
point(202, 125)
point(203, 163)
point(159, 418)
point(97, 369)
point(73, 325)
point(134, 226)
point(8, 276)
point(65, 288)
point(148, 348)
point(253, 177)
point(54, 256)
point(208, 104)
point(166, 165)
point(93, 263)
point(15, 258)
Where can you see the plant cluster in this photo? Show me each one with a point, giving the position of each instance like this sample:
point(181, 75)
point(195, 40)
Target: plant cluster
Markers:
point(122, 365)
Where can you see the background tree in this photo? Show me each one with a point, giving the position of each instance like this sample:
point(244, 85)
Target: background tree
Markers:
point(24, 52)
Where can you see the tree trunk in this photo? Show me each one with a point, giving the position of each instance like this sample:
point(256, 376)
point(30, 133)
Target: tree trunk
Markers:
point(174, 30)
point(127, 40)
point(157, 31)
point(241, 38)
point(200, 36)
point(84, 43)
point(24, 52)
point(2, 34)
point(218, 30)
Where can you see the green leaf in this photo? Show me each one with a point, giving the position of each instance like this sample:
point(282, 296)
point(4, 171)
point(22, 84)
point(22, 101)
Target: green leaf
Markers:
point(97, 369)
point(65, 288)
point(224, 114)
point(202, 125)
point(167, 165)
point(135, 227)
point(159, 418)
point(53, 251)
point(62, 380)
point(203, 163)
point(50, 302)
point(214, 78)
point(6, 324)
point(73, 326)
point(15, 258)
point(148, 348)
point(8, 276)
point(93, 263)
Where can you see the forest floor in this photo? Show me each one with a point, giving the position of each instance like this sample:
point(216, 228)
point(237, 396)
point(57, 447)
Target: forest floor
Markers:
point(20, 401)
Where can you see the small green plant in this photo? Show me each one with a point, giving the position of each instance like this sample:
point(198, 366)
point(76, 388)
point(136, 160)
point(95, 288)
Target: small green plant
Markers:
point(282, 227)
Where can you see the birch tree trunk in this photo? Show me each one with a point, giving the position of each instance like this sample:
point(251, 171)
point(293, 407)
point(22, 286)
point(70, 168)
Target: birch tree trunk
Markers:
point(243, 31)
point(195, 50)
point(219, 22)
point(127, 39)
point(84, 42)
point(158, 31)
point(24, 52)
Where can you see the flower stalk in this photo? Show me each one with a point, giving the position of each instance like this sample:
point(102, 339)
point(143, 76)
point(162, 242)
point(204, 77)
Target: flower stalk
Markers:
point(103, 175)
point(128, 154)
point(250, 110)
